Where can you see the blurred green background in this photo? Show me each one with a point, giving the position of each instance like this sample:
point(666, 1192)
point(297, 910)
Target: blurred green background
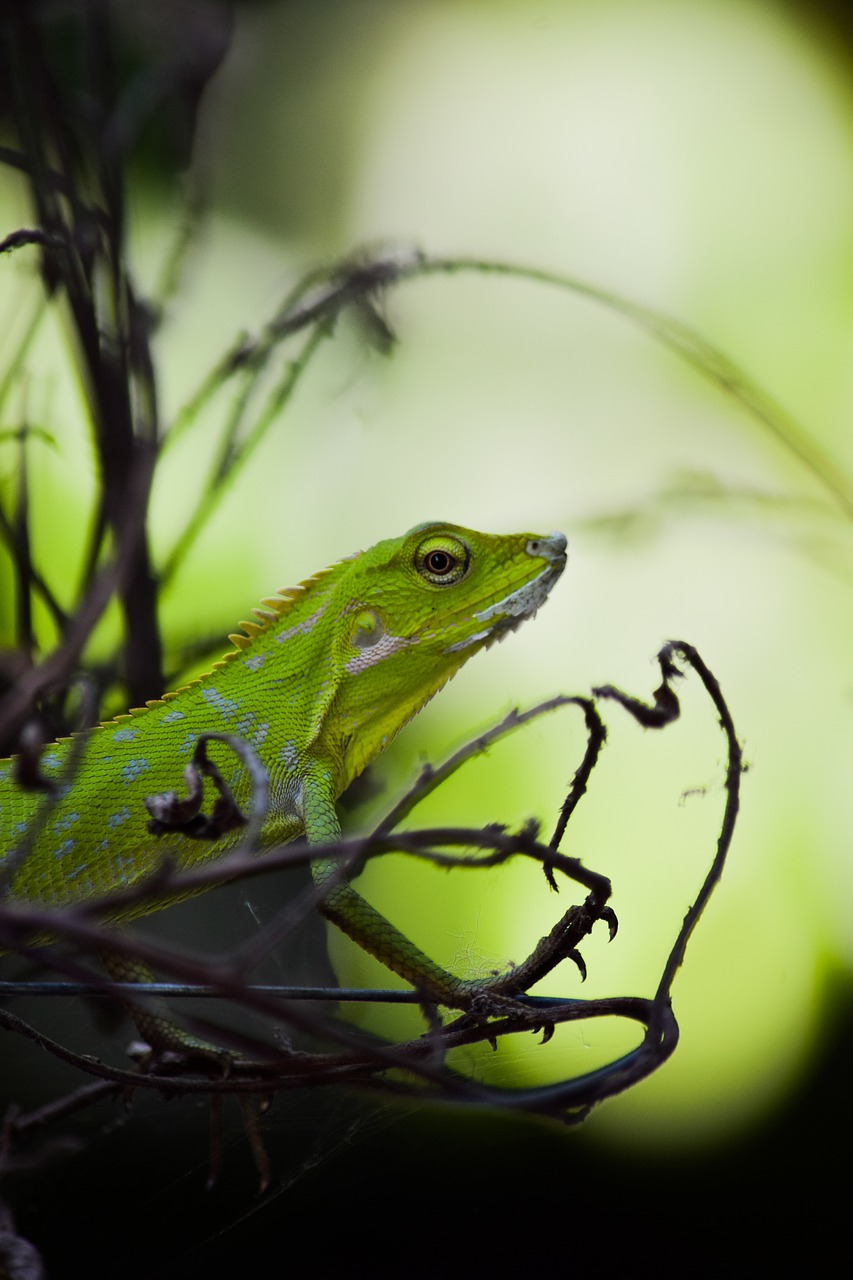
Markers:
point(697, 158)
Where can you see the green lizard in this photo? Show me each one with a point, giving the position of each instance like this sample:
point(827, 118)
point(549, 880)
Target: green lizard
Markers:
point(318, 685)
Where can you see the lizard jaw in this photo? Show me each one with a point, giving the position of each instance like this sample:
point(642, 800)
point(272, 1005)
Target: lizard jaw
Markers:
point(507, 615)
point(522, 603)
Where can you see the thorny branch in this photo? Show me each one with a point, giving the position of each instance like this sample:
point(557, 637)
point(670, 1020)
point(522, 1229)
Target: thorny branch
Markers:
point(367, 1061)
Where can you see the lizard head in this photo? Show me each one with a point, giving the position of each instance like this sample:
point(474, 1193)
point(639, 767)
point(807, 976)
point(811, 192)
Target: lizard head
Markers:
point(447, 590)
point(412, 610)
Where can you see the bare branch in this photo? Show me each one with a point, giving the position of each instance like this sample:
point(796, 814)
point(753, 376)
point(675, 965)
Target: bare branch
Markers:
point(424, 1059)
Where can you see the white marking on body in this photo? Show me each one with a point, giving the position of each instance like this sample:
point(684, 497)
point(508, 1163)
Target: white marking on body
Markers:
point(507, 614)
point(468, 641)
point(384, 647)
point(301, 628)
point(522, 602)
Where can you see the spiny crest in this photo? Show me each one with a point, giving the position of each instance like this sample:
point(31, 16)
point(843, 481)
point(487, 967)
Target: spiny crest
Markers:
point(282, 603)
point(284, 600)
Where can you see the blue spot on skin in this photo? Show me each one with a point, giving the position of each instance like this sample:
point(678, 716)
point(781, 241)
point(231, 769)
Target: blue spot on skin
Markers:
point(125, 735)
point(245, 723)
point(227, 707)
point(116, 819)
point(133, 769)
point(172, 716)
point(256, 661)
point(62, 824)
point(66, 847)
point(188, 743)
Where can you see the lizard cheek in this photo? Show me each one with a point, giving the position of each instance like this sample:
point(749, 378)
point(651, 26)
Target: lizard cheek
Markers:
point(371, 642)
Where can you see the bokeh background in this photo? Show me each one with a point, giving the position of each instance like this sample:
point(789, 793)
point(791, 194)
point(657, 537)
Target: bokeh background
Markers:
point(698, 159)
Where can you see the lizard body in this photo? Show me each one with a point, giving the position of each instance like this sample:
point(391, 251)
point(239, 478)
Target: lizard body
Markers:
point(318, 685)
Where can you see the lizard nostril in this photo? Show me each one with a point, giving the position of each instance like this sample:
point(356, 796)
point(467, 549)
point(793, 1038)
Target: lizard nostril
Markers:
point(552, 547)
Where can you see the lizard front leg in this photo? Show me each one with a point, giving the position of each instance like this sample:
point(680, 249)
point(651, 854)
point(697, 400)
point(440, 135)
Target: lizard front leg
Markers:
point(345, 908)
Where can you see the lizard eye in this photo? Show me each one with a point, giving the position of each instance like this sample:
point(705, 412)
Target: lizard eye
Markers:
point(442, 560)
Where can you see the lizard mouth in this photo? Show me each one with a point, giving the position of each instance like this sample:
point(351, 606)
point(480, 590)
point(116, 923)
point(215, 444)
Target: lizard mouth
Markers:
point(522, 603)
point(506, 615)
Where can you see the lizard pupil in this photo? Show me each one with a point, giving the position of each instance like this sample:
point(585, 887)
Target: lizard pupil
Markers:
point(439, 562)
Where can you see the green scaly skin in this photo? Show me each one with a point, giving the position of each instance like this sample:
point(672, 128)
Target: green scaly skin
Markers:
point(318, 685)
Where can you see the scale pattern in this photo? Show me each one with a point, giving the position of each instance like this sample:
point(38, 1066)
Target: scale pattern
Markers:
point(318, 684)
